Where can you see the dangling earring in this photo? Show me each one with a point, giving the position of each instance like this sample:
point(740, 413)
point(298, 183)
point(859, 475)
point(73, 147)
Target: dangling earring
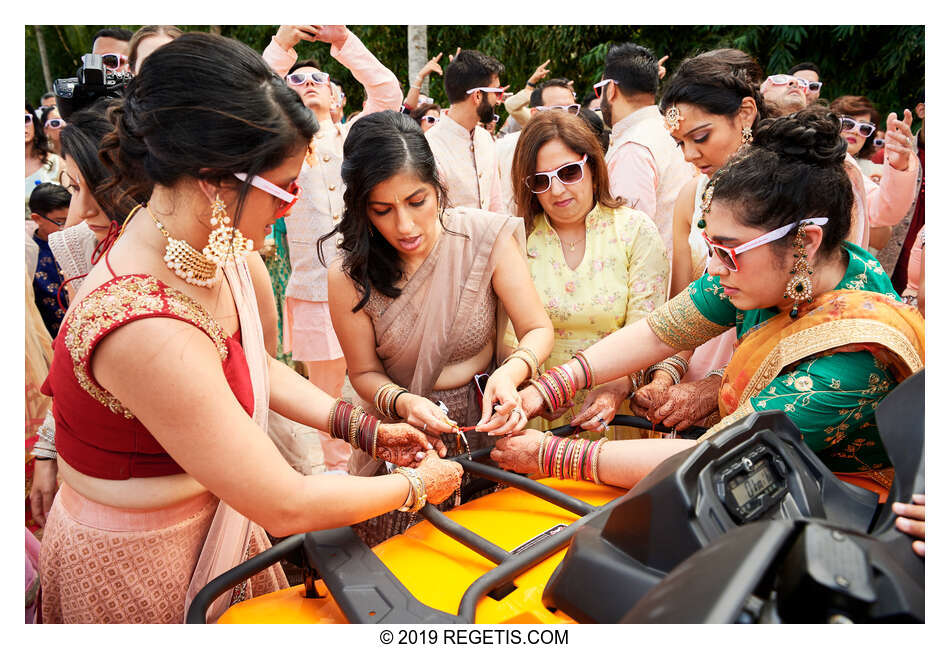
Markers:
point(705, 204)
point(224, 242)
point(799, 287)
point(746, 134)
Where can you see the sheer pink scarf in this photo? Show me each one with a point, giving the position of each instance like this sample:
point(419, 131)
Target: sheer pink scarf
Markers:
point(230, 534)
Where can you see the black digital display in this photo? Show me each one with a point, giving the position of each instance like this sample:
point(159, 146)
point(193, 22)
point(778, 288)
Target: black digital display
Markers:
point(760, 481)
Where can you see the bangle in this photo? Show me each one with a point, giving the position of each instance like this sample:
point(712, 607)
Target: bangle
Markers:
point(599, 447)
point(720, 372)
point(680, 363)
point(544, 440)
point(637, 379)
point(576, 458)
point(585, 366)
point(530, 85)
point(544, 397)
point(417, 490)
point(670, 370)
point(559, 458)
point(419, 87)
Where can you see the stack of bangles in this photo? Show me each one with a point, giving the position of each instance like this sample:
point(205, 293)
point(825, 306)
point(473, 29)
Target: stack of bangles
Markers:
point(528, 356)
point(570, 458)
point(351, 424)
point(416, 499)
point(45, 446)
point(674, 366)
point(557, 385)
point(385, 399)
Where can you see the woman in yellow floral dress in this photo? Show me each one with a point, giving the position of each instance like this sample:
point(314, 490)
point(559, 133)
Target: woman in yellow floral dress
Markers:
point(596, 264)
point(822, 334)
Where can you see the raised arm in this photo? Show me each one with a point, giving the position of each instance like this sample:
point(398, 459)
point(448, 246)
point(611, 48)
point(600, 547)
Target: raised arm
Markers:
point(890, 201)
point(381, 85)
point(412, 97)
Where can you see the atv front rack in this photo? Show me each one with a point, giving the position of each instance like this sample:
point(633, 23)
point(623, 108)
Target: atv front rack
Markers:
point(368, 592)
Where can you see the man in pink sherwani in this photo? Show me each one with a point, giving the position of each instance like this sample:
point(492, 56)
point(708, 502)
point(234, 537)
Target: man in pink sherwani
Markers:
point(465, 152)
point(308, 329)
point(646, 168)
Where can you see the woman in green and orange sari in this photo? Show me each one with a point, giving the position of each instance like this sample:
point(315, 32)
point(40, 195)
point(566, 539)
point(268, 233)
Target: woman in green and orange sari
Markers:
point(822, 334)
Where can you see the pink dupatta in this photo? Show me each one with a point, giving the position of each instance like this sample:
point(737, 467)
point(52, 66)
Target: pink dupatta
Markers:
point(231, 534)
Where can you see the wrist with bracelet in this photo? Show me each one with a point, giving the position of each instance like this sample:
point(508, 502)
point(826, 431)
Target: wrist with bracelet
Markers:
point(385, 399)
point(45, 446)
point(351, 424)
point(558, 386)
point(417, 497)
point(567, 458)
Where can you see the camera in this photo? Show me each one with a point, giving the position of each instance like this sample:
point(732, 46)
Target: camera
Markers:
point(92, 81)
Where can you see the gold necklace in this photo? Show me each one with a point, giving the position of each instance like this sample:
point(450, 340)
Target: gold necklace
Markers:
point(186, 262)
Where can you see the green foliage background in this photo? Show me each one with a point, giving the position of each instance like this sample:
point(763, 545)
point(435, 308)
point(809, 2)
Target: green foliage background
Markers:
point(886, 63)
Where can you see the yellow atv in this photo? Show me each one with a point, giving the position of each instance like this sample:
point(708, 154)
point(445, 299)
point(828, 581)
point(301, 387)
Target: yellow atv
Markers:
point(747, 526)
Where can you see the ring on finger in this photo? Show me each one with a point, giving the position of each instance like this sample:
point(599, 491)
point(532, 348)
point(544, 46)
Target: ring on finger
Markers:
point(424, 426)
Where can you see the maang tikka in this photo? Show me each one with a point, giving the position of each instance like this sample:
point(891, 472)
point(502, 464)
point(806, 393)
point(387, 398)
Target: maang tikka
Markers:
point(799, 287)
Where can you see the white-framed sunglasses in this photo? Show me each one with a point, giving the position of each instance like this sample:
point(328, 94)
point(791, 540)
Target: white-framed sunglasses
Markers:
point(786, 79)
point(568, 174)
point(496, 91)
point(29, 118)
point(430, 119)
point(573, 109)
point(728, 255)
point(601, 84)
point(114, 60)
point(813, 86)
point(851, 125)
point(55, 123)
point(265, 185)
point(300, 78)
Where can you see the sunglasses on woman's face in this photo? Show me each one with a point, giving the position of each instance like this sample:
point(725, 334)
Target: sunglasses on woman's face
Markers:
point(29, 118)
point(879, 142)
point(568, 174)
point(300, 78)
point(113, 61)
point(600, 84)
point(289, 195)
point(728, 254)
point(55, 123)
point(430, 119)
point(864, 129)
point(573, 109)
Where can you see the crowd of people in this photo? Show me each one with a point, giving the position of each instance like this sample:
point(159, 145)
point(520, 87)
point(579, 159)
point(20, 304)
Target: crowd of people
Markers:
point(251, 315)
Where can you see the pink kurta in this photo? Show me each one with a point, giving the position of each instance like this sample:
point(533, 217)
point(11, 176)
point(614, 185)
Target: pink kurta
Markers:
point(467, 165)
point(880, 205)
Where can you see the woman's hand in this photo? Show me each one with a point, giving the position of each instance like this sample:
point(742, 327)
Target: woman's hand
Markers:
point(502, 412)
point(289, 35)
point(404, 445)
point(652, 395)
point(660, 68)
point(43, 489)
point(424, 415)
point(686, 404)
point(440, 477)
point(518, 453)
point(601, 405)
point(911, 521)
point(898, 141)
point(533, 405)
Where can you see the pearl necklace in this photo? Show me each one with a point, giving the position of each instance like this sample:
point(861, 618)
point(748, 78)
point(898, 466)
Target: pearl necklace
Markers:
point(186, 262)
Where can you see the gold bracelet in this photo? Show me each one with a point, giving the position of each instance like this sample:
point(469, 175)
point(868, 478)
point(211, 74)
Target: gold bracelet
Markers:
point(418, 488)
point(576, 460)
point(558, 458)
point(375, 435)
point(593, 471)
point(544, 396)
point(534, 358)
point(544, 441)
point(332, 416)
point(520, 355)
point(354, 425)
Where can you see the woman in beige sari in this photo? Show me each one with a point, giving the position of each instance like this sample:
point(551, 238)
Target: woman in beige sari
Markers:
point(421, 292)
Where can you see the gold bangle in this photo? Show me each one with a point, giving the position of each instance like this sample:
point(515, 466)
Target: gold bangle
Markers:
point(534, 359)
point(594, 469)
point(544, 442)
point(544, 397)
point(520, 355)
point(332, 416)
point(354, 424)
point(576, 460)
point(375, 435)
point(418, 488)
point(559, 457)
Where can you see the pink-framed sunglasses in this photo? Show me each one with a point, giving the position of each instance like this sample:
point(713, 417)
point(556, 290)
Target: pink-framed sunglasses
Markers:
point(289, 197)
point(55, 123)
point(728, 255)
point(300, 78)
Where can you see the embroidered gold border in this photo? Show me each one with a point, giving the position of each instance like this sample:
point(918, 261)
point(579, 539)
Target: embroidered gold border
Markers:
point(740, 412)
point(120, 301)
point(681, 325)
point(828, 335)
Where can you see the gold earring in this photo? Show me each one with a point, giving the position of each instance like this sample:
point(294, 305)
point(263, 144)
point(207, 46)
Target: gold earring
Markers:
point(799, 287)
point(224, 242)
point(746, 135)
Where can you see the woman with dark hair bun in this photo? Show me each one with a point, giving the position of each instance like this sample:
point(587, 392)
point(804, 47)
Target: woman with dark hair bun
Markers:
point(160, 380)
point(711, 105)
point(423, 293)
point(822, 333)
